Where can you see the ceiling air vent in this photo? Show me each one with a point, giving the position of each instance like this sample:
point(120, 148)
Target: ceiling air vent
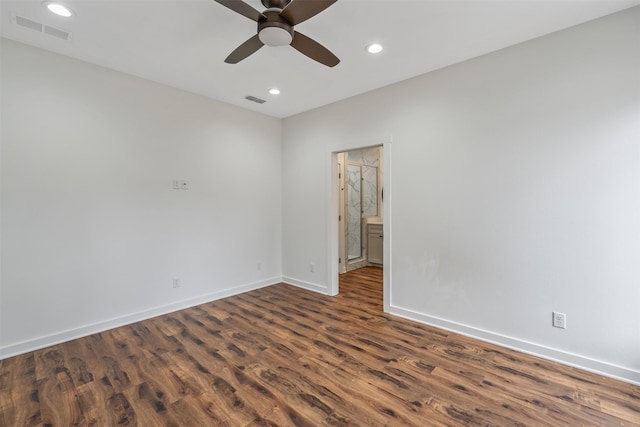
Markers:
point(254, 99)
point(28, 23)
point(55, 32)
point(41, 28)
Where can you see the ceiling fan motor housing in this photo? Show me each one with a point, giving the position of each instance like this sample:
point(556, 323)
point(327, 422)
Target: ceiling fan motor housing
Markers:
point(275, 30)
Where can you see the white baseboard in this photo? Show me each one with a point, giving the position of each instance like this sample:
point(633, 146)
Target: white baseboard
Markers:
point(83, 331)
point(598, 367)
point(306, 285)
point(603, 368)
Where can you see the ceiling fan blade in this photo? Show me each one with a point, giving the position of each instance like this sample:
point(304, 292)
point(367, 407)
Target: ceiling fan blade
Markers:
point(244, 50)
point(313, 50)
point(242, 8)
point(300, 10)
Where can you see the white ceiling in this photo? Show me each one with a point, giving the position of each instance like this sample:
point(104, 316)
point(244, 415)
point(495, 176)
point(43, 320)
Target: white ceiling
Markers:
point(183, 43)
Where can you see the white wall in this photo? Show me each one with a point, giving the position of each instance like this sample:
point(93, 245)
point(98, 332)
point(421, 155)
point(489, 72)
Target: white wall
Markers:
point(515, 185)
point(92, 231)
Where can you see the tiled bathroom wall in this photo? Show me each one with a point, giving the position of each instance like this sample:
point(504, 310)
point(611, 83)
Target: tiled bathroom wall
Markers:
point(362, 195)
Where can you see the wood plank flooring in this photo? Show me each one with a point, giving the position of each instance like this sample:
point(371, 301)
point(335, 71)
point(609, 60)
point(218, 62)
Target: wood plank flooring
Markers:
point(283, 356)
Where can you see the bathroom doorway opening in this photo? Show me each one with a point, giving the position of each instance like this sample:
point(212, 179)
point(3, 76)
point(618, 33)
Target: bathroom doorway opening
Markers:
point(358, 181)
point(337, 215)
point(360, 208)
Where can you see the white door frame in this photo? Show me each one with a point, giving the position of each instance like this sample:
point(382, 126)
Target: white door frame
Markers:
point(342, 218)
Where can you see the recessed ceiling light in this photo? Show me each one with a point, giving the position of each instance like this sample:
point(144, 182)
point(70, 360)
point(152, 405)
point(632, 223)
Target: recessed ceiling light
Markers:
point(374, 48)
point(58, 9)
point(274, 91)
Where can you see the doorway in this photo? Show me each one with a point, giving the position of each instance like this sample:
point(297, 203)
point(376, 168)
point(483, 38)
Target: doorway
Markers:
point(360, 210)
point(336, 253)
point(359, 177)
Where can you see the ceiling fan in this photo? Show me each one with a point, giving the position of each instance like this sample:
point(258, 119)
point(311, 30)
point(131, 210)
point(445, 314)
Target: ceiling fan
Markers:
point(275, 28)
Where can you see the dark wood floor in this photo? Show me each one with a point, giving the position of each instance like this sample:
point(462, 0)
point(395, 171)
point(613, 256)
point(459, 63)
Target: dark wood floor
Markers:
point(289, 357)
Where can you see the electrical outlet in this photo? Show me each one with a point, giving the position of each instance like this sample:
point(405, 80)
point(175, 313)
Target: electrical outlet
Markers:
point(184, 184)
point(312, 267)
point(176, 184)
point(176, 282)
point(259, 265)
point(559, 320)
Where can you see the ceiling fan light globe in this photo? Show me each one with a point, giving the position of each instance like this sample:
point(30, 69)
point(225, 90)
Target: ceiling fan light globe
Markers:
point(275, 36)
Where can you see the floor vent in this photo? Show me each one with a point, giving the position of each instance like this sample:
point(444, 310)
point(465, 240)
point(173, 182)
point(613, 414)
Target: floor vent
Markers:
point(41, 28)
point(254, 99)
